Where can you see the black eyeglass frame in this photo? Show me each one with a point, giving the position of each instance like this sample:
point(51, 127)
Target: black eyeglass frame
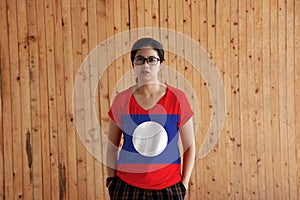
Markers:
point(146, 59)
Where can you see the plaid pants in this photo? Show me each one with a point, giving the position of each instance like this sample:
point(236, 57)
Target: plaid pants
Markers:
point(120, 190)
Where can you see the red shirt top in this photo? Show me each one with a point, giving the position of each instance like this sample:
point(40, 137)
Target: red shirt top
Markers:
point(156, 170)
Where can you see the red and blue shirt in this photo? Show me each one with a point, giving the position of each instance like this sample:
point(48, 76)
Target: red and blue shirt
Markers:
point(158, 169)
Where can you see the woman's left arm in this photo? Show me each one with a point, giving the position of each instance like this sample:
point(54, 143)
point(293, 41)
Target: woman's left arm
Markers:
point(188, 142)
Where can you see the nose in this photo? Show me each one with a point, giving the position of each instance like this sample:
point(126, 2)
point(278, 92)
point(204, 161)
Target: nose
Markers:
point(146, 65)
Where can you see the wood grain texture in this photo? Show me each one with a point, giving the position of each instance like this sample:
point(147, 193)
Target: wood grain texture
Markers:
point(255, 45)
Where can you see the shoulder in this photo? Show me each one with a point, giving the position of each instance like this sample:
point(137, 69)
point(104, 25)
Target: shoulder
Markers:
point(123, 94)
point(176, 91)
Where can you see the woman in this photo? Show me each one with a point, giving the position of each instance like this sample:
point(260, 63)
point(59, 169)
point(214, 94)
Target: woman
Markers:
point(151, 116)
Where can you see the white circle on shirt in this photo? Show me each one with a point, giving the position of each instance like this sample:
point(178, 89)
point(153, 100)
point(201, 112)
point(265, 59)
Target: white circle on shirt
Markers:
point(150, 139)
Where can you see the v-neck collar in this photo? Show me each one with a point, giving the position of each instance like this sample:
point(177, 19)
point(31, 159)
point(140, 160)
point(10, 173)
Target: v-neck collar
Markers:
point(153, 106)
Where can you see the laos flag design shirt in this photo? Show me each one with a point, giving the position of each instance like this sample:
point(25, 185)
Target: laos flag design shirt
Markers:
point(150, 156)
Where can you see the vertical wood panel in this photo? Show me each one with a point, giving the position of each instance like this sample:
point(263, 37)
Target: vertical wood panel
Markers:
point(219, 15)
point(69, 169)
point(16, 103)
point(211, 174)
point(243, 73)
point(51, 74)
point(43, 81)
point(24, 59)
point(82, 154)
point(3, 62)
point(267, 100)
point(282, 94)
point(62, 164)
point(228, 83)
point(7, 189)
point(274, 99)
point(258, 122)
point(194, 191)
point(103, 97)
point(236, 168)
point(92, 42)
point(204, 122)
point(35, 101)
point(3, 24)
point(297, 89)
point(290, 67)
point(75, 180)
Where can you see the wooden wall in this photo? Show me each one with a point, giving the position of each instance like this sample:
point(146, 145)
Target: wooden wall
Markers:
point(256, 46)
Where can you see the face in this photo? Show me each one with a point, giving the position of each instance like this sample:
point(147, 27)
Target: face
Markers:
point(147, 69)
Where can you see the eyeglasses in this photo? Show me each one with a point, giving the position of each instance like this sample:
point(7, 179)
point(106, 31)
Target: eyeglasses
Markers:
point(141, 60)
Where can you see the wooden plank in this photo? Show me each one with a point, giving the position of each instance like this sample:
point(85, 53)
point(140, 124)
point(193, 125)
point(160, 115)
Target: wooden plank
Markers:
point(155, 16)
point(236, 169)
point(82, 153)
point(35, 100)
point(111, 70)
point(266, 73)
point(244, 99)
point(61, 102)
point(118, 42)
point(98, 166)
point(4, 49)
point(196, 85)
point(219, 59)
point(188, 68)
point(6, 139)
point(51, 74)
point(228, 84)
point(125, 24)
point(179, 42)
point(290, 97)
point(23, 37)
point(133, 18)
point(147, 17)
point(77, 182)
point(297, 89)
point(162, 13)
point(110, 47)
point(187, 46)
point(275, 99)
point(44, 123)
point(251, 138)
point(282, 103)
point(133, 24)
point(140, 14)
point(211, 175)
point(103, 99)
point(70, 175)
point(15, 101)
point(258, 79)
point(228, 129)
point(3, 35)
point(92, 42)
point(204, 167)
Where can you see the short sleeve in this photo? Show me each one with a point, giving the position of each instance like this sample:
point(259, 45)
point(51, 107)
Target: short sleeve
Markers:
point(113, 112)
point(186, 111)
point(119, 106)
point(182, 107)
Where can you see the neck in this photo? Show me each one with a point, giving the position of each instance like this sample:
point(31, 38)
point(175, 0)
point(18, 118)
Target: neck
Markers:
point(148, 88)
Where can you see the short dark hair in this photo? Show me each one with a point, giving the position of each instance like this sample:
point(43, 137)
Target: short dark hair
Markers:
point(148, 42)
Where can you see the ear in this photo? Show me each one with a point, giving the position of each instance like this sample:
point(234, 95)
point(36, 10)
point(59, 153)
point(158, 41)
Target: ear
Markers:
point(160, 65)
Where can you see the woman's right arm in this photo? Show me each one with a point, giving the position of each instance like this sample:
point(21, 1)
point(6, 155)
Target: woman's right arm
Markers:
point(114, 138)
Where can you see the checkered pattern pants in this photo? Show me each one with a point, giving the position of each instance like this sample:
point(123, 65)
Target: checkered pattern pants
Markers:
point(120, 190)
